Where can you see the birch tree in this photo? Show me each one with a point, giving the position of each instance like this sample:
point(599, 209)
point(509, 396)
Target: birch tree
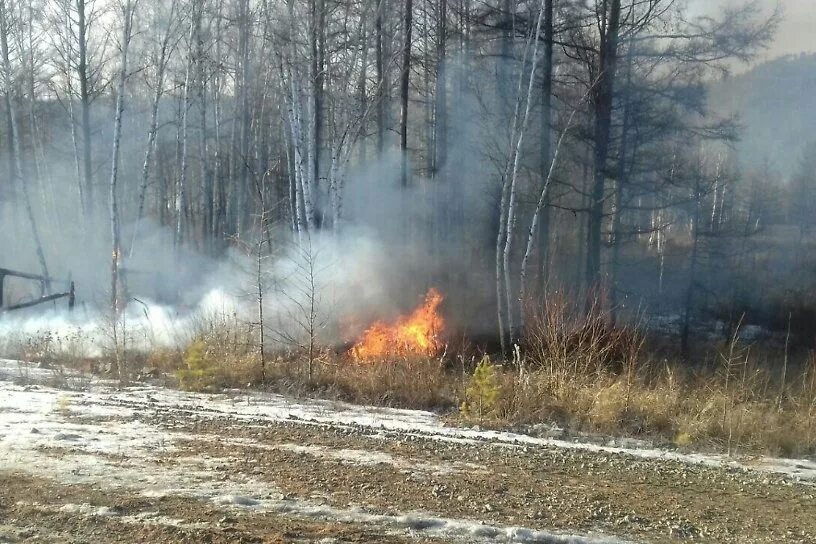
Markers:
point(159, 58)
point(190, 79)
point(127, 12)
point(507, 217)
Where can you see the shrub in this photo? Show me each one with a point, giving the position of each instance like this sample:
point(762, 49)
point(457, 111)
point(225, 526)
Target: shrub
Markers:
point(200, 372)
point(482, 391)
point(565, 341)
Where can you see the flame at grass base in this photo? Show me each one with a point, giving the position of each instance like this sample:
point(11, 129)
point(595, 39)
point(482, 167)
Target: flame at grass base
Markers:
point(416, 334)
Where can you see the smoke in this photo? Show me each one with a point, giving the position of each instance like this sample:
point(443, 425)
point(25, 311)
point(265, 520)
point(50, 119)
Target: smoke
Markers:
point(394, 245)
point(369, 270)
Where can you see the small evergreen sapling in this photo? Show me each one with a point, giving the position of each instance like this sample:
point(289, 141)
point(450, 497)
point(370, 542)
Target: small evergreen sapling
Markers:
point(482, 391)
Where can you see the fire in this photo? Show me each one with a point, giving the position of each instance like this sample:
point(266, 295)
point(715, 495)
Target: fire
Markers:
point(415, 334)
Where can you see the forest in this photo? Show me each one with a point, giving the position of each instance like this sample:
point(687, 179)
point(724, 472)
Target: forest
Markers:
point(590, 214)
point(405, 271)
point(503, 152)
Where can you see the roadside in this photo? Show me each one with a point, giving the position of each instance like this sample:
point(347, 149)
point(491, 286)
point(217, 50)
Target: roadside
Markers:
point(263, 468)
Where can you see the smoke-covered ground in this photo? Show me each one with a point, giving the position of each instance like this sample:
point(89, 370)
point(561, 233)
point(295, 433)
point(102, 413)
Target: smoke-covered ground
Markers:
point(349, 281)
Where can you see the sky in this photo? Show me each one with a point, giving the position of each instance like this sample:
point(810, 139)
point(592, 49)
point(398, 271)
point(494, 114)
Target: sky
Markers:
point(796, 30)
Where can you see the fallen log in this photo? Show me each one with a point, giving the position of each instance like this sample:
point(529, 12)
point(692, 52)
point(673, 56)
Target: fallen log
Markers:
point(44, 281)
point(25, 275)
point(41, 300)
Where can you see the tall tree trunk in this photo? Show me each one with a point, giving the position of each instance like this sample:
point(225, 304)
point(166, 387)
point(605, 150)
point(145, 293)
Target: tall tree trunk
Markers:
point(456, 153)
point(441, 107)
point(443, 195)
point(75, 147)
point(405, 79)
point(602, 106)
point(116, 305)
point(508, 13)
point(318, 45)
point(85, 103)
point(362, 84)
point(540, 206)
point(203, 152)
point(546, 145)
point(582, 218)
point(690, 288)
point(245, 116)
point(381, 76)
point(16, 157)
point(189, 81)
point(507, 212)
point(219, 193)
point(26, 46)
point(429, 101)
point(620, 187)
point(73, 119)
point(150, 148)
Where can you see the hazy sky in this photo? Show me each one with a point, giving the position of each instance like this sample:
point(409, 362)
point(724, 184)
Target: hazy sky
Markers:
point(797, 30)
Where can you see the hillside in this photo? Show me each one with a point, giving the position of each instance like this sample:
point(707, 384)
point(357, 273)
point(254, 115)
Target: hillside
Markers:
point(776, 105)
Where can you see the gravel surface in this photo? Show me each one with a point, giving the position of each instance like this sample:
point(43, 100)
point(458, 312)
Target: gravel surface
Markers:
point(138, 466)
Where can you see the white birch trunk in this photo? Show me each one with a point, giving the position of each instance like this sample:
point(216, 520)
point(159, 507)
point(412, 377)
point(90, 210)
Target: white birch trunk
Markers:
point(116, 306)
point(127, 14)
point(181, 189)
point(218, 184)
point(507, 221)
point(154, 124)
point(297, 143)
point(309, 181)
point(542, 198)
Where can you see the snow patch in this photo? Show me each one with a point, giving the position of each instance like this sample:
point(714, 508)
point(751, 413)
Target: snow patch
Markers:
point(374, 458)
point(88, 510)
point(26, 403)
point(234, 500)
point(259, 408)
point(142, 518)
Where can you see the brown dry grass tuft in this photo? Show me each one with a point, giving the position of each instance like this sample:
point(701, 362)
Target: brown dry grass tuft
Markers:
point(226, 356)
point(581, 373)
point(419, 383)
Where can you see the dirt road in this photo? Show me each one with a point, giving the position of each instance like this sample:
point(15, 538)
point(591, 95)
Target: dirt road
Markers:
point(148, 464)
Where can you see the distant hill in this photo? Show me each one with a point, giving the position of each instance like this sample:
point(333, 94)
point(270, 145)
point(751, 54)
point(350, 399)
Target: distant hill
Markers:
point(776, 104)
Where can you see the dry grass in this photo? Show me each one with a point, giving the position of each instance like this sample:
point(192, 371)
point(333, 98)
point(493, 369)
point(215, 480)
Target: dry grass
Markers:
point(415, 383)
point(580, 373)
point(673, 405)
point(230, 358)
point(408, 383)
point(574, 370)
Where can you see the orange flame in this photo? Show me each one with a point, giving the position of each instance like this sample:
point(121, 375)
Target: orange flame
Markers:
point(416, 334)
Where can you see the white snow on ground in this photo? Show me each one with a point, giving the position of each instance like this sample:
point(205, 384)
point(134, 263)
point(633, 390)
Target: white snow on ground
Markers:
point(262, 407)
point(86, 509)
point(108, 446)
point(362, 457)
point(142, 518)
point(105, 443)
point(413, 523)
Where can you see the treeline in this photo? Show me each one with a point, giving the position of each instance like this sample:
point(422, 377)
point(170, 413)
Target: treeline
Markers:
point(554, 144)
